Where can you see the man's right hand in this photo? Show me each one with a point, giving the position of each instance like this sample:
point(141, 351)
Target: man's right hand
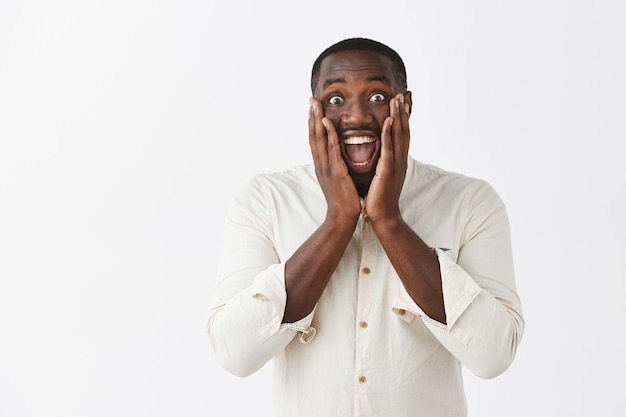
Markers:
point(331, 170)
point(309, 269)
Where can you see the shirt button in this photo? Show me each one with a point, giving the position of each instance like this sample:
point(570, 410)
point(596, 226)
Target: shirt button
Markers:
point(363, 324)
point(366, 219)
point(362, 379)
point(366, 270)
point(402, 312)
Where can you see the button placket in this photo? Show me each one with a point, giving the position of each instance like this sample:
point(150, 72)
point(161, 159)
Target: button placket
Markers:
point(365, 302)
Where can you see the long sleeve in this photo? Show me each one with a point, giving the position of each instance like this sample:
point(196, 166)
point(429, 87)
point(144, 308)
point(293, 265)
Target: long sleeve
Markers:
point(485, 322)
point(247, 306)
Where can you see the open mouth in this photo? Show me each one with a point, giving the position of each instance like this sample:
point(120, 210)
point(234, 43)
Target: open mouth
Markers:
point(360, 151)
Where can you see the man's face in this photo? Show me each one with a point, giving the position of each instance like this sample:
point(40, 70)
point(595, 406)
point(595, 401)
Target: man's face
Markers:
point(355, 88)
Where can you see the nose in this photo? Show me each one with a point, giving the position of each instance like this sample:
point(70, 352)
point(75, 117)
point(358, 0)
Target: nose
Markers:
point(356, 113)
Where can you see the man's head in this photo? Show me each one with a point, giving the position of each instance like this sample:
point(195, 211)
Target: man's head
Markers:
point(355, 81)
point(362, 44)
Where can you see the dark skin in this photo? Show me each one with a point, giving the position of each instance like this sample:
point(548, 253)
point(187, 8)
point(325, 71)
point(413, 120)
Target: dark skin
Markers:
point(359, 99)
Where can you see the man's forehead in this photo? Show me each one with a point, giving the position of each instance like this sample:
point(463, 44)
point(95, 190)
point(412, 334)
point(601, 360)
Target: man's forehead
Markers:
point(355, 61)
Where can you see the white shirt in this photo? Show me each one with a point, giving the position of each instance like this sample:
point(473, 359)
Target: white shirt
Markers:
point(367, 349)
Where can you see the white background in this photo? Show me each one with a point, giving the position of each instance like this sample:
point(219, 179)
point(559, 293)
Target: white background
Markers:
point(126, 126)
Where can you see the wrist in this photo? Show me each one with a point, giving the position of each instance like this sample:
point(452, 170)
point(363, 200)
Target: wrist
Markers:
point(341, 224)
point(390, 223)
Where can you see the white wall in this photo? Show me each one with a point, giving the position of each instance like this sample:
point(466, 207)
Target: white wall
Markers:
point(126, 126)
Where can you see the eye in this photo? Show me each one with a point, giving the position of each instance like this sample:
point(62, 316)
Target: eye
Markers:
point(377, 98)
point(335, 100)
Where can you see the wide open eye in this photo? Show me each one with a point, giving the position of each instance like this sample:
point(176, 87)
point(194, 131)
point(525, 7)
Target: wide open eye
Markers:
point(377, 98)
point(335, 100)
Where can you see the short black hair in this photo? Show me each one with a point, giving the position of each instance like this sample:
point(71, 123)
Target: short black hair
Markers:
point(362, 44)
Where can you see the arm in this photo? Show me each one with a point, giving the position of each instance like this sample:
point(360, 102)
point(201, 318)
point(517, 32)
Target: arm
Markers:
point(470, 303)
point(243, 322)
point(415, 263)
point(309, 269)
point(257, 292)
point(485, 322)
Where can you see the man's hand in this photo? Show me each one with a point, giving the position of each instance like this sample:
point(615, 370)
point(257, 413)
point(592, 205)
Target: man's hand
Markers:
point(309, 269)
point(331, 170)
point(384, 192)
point(416, 265)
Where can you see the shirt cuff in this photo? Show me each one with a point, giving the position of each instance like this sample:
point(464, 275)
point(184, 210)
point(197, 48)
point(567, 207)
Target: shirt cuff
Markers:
point(459, 290)
point(303, 326)
point(269, 286)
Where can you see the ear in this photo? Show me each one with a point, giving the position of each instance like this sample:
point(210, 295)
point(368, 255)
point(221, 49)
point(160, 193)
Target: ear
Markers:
point(408, 100)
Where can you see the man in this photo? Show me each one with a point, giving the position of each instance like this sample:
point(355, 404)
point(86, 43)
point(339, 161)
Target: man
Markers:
point(369, 277)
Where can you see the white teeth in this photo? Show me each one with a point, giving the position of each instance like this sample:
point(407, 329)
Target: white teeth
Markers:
point(359, 140)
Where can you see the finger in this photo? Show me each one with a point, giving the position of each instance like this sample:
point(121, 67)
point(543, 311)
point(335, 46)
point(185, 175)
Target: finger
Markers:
point(312, 135)
point(386, 147)
point(397, 132)
point(334, 150)
point(406, 131)
point(317, 135)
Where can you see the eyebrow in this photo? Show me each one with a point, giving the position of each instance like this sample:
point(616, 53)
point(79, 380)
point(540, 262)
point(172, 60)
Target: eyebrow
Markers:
point(371, 79)
point(332, 81)
point(380, 78)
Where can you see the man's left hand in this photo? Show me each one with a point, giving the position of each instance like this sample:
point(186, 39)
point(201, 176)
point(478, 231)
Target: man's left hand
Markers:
point(384, 192)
